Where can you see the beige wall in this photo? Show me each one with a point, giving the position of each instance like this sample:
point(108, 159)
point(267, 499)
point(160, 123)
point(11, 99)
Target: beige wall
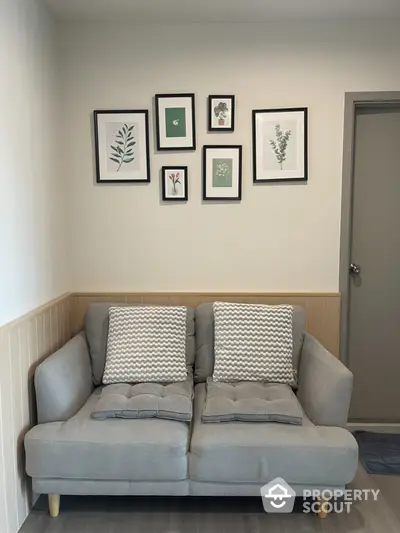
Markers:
point(32, 223)
point(322, 310)
point(281, 238)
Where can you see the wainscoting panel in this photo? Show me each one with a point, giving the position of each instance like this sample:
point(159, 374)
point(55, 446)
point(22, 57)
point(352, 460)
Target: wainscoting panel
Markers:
point(23, 344)
point(323, 309)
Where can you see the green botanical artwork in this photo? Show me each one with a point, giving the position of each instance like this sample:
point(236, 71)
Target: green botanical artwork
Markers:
point(221, 111)
point(279, 146)
point(222, 172)
point(175, 122)
point(122, 147)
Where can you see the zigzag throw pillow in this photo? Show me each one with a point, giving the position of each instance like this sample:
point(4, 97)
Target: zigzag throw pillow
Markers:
point(146, 344)
point(253, 342)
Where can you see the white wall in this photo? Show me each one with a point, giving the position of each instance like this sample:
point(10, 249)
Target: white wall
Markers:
point(281, 237)
point(32, 236)
point(32, 259)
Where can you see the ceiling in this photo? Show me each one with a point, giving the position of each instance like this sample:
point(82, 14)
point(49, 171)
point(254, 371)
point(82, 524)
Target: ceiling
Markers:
point(182, 11)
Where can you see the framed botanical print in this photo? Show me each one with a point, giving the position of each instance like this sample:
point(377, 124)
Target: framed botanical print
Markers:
point(280, 151)
point(221, 113)
point(174, 184)
point(222, 172)
point(175, 122)
point(122, 146)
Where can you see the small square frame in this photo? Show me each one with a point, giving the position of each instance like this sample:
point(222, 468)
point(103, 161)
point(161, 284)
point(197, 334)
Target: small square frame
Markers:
point(165, 196)
point(221, 129)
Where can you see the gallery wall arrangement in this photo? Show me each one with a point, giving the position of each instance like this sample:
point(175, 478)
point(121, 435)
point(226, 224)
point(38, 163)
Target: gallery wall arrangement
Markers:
point(279, 137)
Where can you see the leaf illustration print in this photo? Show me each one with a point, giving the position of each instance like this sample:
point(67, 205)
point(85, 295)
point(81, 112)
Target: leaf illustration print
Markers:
point(279, 146)
point(122, 147)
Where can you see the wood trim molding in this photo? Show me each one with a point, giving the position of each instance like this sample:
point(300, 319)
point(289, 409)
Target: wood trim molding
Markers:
point(210, 294)
point(322, 309)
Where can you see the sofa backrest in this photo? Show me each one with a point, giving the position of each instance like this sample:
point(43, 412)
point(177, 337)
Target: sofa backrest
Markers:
point(204, 361)
point(96, 328)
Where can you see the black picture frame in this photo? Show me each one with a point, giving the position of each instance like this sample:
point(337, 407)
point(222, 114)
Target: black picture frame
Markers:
point(239, 148)
point(177, 147)
point(304, 174)
point(167, 198)
point(210, 111)
point(96, 116)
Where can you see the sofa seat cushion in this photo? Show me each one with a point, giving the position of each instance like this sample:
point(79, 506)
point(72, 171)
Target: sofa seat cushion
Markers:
point(171, 401)
point(246, 452)
point(113, 449)
point(251, 402)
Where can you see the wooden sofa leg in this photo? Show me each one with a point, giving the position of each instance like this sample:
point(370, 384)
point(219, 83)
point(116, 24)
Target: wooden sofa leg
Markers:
point(322, 507)
point(54, 505)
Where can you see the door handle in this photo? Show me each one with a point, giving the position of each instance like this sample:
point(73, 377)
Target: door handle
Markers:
point(355, 269)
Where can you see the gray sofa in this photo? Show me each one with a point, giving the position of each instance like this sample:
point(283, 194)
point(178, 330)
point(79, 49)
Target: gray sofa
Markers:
point(70, 453)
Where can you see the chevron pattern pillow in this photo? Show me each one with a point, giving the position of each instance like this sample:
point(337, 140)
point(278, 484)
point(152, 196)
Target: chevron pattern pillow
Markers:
point(146, 344)
point(253, 343)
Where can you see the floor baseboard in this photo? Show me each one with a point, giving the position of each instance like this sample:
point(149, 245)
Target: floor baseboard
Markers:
point(374, 427)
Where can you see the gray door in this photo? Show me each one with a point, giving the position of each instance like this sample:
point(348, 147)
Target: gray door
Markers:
point(374, 313)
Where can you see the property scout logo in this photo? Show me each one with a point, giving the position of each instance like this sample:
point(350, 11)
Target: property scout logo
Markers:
point(279, 497)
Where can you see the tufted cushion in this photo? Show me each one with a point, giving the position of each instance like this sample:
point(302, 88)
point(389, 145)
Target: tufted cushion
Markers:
point(144, 450)
point(204, 364)
point(172, 401)
point(96, 328)
point(251, 402)
point(248, 452)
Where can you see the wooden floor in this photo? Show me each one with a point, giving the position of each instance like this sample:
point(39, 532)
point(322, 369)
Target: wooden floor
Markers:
point(216, 515)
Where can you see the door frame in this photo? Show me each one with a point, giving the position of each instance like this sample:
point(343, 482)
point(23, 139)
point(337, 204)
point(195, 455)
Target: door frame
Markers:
point(353, 101)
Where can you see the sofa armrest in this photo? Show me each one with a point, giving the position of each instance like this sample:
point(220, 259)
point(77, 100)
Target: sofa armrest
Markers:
point(63, 382)
point(325, 385)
